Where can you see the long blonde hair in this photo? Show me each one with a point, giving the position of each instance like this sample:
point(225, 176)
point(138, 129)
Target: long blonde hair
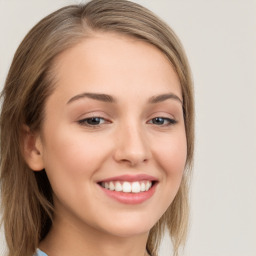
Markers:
point(26, 195)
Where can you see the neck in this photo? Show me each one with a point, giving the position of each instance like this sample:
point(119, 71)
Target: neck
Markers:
point(66, 238)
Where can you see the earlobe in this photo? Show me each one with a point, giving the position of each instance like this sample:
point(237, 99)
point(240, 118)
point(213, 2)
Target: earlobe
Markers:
point(32, 149)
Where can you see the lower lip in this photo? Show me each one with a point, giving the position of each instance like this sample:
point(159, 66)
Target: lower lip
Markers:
point(130, 198)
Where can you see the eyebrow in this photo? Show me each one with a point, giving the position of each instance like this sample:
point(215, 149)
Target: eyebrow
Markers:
point(110, 99)
point(163, 97)
point(94, 96)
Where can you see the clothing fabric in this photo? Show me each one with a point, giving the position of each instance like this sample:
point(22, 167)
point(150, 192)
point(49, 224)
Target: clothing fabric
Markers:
point(40, 253)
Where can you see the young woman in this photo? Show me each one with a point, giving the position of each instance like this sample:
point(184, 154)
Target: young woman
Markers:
point(96, 134)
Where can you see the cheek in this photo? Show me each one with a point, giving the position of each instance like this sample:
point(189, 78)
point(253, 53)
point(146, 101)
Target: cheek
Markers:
point(171, 156)
point(70, 157)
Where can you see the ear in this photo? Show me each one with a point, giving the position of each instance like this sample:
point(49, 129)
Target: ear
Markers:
point(32, 149)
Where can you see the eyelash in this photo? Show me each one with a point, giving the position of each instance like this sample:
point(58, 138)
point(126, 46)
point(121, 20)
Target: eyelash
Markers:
point(85, 122)
point(164, 119)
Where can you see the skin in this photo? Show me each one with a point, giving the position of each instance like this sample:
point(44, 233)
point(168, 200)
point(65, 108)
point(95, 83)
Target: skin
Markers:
point(127, 141)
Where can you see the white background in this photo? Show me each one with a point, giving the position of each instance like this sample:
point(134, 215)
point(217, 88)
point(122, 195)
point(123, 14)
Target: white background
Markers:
point(220, 39)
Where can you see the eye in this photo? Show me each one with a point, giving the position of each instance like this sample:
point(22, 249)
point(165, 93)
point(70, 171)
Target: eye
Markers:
point(92, 121)
point(162, 121)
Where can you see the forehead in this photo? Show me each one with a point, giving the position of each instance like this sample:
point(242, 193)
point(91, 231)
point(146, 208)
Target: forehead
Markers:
point(113, 63)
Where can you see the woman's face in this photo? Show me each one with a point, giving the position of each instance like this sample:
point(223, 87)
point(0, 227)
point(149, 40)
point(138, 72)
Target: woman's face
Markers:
point(113, 141)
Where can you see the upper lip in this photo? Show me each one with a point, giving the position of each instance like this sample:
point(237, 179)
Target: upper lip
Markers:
point(130, 178)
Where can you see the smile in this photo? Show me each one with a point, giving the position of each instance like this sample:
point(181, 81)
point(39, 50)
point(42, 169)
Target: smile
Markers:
point(127, 187)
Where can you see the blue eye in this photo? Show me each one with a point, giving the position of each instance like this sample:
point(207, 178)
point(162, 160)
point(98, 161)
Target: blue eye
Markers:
point(92, 121)
point(162, 121)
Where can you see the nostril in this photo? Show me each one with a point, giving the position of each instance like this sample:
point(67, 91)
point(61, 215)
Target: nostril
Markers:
point(131, 158)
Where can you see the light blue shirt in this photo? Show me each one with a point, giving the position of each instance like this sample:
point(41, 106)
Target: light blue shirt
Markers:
point(40, 253)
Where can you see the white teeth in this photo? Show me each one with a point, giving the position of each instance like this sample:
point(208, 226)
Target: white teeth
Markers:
point(118, 186)
point(111, 186)
point(148, 185)
point(135, 187)
point(128, 187)
point(106, 185)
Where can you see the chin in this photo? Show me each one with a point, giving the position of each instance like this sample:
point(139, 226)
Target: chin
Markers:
point(126, 232)
point(131, 226)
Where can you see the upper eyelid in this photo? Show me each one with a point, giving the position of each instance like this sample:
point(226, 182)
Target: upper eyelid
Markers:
point(107, 120)
point(83, 122)
point(93, 114)
point(90, 117)
point(114, 116)
point(172, 120)
point(163, 114)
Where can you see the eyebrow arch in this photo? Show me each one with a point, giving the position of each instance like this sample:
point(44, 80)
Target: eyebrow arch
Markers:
point(94, 96)
point(163, 97)
point(110, 99)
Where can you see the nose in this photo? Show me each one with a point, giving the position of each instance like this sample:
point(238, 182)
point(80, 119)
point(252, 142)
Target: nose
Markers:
point(132, 146)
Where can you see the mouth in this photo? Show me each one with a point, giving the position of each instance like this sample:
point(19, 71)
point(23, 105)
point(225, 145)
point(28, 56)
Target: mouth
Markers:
point(129, 189)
